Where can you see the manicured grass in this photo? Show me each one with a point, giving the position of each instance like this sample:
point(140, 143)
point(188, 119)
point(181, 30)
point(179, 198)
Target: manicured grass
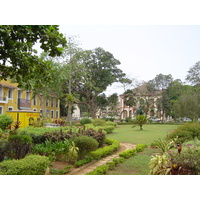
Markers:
point(151, 132)
point(136, 165)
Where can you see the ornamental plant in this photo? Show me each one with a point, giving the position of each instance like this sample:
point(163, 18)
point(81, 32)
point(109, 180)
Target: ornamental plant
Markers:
point(85, 145)
point(18, 146)
point(5, 121)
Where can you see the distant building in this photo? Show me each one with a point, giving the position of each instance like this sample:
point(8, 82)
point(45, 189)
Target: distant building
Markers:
point(14, 98)
point(149, 102)
point(76, 112)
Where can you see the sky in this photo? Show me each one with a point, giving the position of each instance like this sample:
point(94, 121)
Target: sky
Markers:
point(143, 50)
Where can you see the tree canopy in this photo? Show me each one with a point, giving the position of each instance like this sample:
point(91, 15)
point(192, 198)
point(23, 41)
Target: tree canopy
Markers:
point(18, 58)
point(95, 70)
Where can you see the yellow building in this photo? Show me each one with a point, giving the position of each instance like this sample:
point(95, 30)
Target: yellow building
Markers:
point(13, 98)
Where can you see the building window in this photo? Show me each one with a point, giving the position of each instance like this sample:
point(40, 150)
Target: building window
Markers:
point(34, 101)
point(52, 101)
point(19, 94)
point(47, 102)
point(52, 114)
point(56, 113)
point(1, 110)
point(10, 93)
point(10, 108)
point(56, 103)
point(27, 95)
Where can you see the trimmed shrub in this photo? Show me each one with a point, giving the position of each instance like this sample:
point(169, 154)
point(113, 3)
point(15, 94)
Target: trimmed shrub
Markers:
point(5, 121)
point(140, 147)
point(107, 150)
point(127, 153)
point(98, 122)
point(99, 170)
point(109, 123)
point(85, 121)
point(118, 160)
point(83, 162)
point(108, 129)
point(100, 153)
point(30, 165)
point(18, 146)
point(99, 136)
point(85, 145)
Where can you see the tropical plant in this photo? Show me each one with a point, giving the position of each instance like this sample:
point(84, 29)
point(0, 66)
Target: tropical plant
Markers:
point(73, 152)
point(163, 145)
point(140, 120)
point(159, 165)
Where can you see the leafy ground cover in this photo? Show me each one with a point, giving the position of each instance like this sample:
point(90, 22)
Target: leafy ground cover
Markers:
point(147, 136)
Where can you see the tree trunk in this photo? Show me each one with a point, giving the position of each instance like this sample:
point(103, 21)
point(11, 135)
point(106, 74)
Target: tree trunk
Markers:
point(141, 127)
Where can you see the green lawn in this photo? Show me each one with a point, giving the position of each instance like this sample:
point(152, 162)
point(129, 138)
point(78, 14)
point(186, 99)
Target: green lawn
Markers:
point(136, 165)
point(151, 132)
point(139, 163)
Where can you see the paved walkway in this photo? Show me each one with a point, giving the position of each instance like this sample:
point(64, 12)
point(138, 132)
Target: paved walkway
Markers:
point(92, 165)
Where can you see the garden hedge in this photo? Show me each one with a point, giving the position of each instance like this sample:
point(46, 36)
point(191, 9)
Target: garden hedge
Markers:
point(30, 165)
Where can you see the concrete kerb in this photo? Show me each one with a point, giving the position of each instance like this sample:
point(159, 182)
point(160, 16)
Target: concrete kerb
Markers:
point(92, 165)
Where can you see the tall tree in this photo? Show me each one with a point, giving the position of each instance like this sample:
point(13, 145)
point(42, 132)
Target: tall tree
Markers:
point(194, 74)
point(18, 58)
point(96, 70)
point(113, 104)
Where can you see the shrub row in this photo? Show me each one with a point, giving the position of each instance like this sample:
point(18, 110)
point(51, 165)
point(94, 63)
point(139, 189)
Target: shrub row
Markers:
point(100, 153)
point(100, 170)
point(185, 132)
point(30, 165)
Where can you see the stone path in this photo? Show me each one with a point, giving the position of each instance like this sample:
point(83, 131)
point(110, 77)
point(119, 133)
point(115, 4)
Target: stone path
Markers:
point(92, 165)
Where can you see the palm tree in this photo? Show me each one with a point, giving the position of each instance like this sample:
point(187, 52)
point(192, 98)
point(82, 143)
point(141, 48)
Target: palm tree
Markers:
point(140, 120)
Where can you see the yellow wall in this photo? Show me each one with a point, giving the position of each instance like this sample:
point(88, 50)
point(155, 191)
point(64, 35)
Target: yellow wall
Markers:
point(12, 103)
point(24, 117)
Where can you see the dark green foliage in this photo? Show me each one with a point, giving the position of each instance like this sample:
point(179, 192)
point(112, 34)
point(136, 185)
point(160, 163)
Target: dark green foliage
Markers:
point(85, 121)
point(65, 170)
point(54, 150)
point(185, 132)
point(99, 136)
point(85, 145)
point(60, 136)
point(18, 146)
point(187, 161)
point(100, 153)
point(2, 149)
point(30, 165)
point(17, 49)
point(5, 121)
point(83, 162)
